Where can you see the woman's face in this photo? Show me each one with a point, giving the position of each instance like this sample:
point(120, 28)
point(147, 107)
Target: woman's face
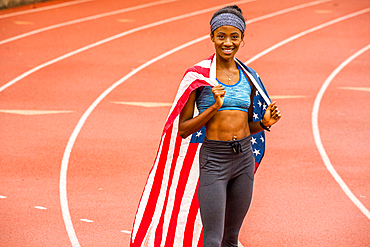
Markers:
point(227, 40)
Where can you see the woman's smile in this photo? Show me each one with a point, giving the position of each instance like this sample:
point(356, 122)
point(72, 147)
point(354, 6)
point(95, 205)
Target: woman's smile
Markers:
point(227, 51)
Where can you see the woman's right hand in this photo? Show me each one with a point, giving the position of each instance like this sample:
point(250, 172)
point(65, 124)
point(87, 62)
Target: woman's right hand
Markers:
point(219, 95)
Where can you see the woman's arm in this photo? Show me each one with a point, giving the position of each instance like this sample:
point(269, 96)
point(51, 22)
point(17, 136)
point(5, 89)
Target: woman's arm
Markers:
point(187, 124)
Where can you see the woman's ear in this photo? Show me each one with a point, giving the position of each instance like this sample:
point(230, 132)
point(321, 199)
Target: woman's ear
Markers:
point(212, 37)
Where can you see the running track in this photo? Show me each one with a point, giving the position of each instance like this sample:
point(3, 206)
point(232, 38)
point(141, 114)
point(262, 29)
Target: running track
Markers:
point(76, 151)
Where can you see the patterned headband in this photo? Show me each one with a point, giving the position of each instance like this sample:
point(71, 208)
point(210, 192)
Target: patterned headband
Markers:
point(227, 19)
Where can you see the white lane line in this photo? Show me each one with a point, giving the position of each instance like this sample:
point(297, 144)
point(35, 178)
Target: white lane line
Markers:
point(58, 59)
point(143, 104)
point(93, 17)
point(363, 89)
point(2, 197)
point(316, 133)
point(24, 23)
point(323, 11)
point(43, 8)
point(287, 96)
point(32, 112)
point(39, 207)
point(86, 220)
point(64, 166)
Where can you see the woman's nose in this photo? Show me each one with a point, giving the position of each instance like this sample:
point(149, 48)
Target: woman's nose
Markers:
point(228, 41)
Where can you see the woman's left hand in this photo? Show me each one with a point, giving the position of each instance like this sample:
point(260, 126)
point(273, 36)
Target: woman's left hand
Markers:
point(272, 115)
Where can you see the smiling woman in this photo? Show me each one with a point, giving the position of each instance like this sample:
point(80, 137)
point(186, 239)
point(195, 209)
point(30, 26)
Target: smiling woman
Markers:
point(226, 110)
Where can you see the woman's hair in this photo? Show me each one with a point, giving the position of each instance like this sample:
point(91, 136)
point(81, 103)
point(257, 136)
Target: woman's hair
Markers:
point(232, 9)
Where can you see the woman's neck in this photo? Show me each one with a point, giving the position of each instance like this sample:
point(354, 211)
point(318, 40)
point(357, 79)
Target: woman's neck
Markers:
point(225, 63)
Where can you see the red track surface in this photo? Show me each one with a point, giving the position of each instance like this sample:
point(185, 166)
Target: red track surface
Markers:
point(296, 202)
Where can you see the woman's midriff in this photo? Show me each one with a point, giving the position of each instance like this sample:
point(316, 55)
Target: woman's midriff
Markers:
point(228, 125)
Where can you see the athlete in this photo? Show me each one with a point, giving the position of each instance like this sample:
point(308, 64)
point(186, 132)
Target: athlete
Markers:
point(226, 110)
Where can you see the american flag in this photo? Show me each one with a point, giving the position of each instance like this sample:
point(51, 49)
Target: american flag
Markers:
point(168, 212)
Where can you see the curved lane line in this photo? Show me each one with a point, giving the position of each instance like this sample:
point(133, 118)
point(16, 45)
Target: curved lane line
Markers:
point(89, 18)
point(120, 35)
point(43, 8)
point(316, 133)
point(81, 122)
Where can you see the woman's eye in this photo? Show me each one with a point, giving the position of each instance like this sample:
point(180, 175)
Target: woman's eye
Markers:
point(235, 37)
point(221, 36)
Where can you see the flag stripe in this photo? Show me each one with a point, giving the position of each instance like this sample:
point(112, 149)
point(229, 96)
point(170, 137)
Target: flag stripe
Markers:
point(173, 189)
point(180, 192)
point(162, 195)
point(201, 238)
point(198, 229)
point(190, 189)
point(154, 192)
point(193, 212)
point(146, 193)
point(159, 230)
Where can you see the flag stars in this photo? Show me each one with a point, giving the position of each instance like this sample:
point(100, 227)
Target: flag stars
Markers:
point(264, 106)
point(253, 140)
point(199, 133)
point(256, 152)
point(255, 115)
point(263, 140)
point(259, 103)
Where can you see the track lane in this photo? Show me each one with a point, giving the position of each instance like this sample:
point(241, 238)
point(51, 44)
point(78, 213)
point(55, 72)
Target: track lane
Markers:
point(99, 154)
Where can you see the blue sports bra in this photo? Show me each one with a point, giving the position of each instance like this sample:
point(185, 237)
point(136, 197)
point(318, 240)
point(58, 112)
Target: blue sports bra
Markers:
point(237, 96)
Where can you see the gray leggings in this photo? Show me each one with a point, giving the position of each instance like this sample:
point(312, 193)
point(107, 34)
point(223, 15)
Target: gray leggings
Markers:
point(225, 190)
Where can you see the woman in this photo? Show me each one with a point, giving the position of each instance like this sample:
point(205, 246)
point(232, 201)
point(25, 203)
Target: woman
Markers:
point(223, 90)
point(226, 158)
